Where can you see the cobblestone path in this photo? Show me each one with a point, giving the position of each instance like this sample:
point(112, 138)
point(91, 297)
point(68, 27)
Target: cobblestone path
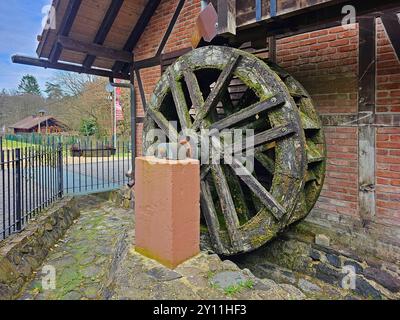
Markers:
point(82, 259)
point(96, 260)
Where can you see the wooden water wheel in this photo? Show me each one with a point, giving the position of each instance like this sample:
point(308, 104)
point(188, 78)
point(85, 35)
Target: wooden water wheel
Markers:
point(243, 211)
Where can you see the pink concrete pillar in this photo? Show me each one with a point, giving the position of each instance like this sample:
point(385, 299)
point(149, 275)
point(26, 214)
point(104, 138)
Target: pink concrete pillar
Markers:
point(167, 209)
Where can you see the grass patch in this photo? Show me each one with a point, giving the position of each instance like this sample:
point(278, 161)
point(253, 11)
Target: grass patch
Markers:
point(234, 289)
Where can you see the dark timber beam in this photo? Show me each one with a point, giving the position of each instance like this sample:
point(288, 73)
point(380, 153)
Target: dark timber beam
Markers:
point(227, 17)
point(94, 49)
point(167, 33)
point(366, 117)
point(138, 30)
point(171, 26)
point(66, 67)
point(391, 23)
point(105, 28)
point(65, 27)
point(306, 21)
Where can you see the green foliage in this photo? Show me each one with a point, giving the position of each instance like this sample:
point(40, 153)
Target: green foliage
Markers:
point(232, 290)
point(88, 127)
point(29, 85)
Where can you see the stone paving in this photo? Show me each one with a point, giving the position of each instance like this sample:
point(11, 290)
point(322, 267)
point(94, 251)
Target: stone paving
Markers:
point(82, 259)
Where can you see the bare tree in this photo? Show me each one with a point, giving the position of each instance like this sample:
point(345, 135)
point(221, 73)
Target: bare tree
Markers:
point(73, 84)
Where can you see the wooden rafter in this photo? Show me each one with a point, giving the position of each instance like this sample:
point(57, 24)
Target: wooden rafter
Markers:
point(94, 50)
point(105, 28)
point(65, 28)
point(138, 30)
point(67, 67)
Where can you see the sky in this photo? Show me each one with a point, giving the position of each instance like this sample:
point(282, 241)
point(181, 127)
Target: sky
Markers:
point(20, 23)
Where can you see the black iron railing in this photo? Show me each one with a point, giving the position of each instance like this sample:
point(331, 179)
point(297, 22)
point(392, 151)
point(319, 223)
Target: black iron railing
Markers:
point(31, 179)
point(36, 172)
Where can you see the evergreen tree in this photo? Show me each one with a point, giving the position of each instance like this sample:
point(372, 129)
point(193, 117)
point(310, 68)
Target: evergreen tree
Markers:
point(29, 85)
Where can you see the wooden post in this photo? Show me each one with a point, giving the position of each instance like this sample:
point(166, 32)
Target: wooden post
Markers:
point(227, 17)
point(272, 48)
point(366, 117)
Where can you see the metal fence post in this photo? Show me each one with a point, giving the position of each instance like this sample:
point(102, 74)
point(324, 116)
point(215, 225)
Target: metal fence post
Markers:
point(60, 171)
point(1, 154)
point(18, 195)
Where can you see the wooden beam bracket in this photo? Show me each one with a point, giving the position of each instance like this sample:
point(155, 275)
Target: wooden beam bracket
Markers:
point(67, 67)
point(95, 49)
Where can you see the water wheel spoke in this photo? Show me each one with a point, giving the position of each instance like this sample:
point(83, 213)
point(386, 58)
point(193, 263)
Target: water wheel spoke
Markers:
point(205, 169)
point(265, 161)
point(248, 112)
point(239, 199)
point(218, 90)
point(265, 137)
point(210, 215)
point(245, 98)
point(163, 124)
point(254, 185)
point(227, 204)
point(180, 102)
point(227, 103)
point(193, 86)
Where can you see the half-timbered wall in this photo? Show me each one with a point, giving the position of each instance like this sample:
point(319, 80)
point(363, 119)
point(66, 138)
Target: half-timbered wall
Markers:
point(327, 63)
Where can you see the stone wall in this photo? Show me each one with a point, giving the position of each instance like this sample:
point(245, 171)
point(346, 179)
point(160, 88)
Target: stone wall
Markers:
point(333, 257)
point(23, 253)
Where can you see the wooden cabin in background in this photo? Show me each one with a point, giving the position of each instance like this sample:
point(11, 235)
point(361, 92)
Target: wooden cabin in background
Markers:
point(39, 124)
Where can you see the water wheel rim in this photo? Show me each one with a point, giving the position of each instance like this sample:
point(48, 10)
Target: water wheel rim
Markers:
point(290, 155)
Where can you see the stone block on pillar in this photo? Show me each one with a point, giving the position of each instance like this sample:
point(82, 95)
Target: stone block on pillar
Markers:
point(167, 209)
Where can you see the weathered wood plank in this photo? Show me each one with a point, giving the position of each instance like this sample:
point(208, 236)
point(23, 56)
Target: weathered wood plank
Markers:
point(163, 124)
point(210, 215)
point(193, 86)
point(265, 197)
point(366, 112)
point(264, 137)
point(248, 112)
point(265, 161)
point(238, 197)
point(227, 205)
point(217, 92)
point(180, 102)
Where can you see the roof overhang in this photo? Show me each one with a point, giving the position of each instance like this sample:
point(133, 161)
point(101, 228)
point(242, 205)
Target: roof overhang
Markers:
point(93, 37)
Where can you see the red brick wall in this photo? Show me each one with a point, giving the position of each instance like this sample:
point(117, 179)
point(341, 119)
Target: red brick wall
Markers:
point(181, 34)
point(340, 192)
point(326, 63)
point(388, 75)
point(388, 175)
point(388, 137)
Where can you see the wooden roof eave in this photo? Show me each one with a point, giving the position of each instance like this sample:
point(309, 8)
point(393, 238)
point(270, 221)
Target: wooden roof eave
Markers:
point(57, 41)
